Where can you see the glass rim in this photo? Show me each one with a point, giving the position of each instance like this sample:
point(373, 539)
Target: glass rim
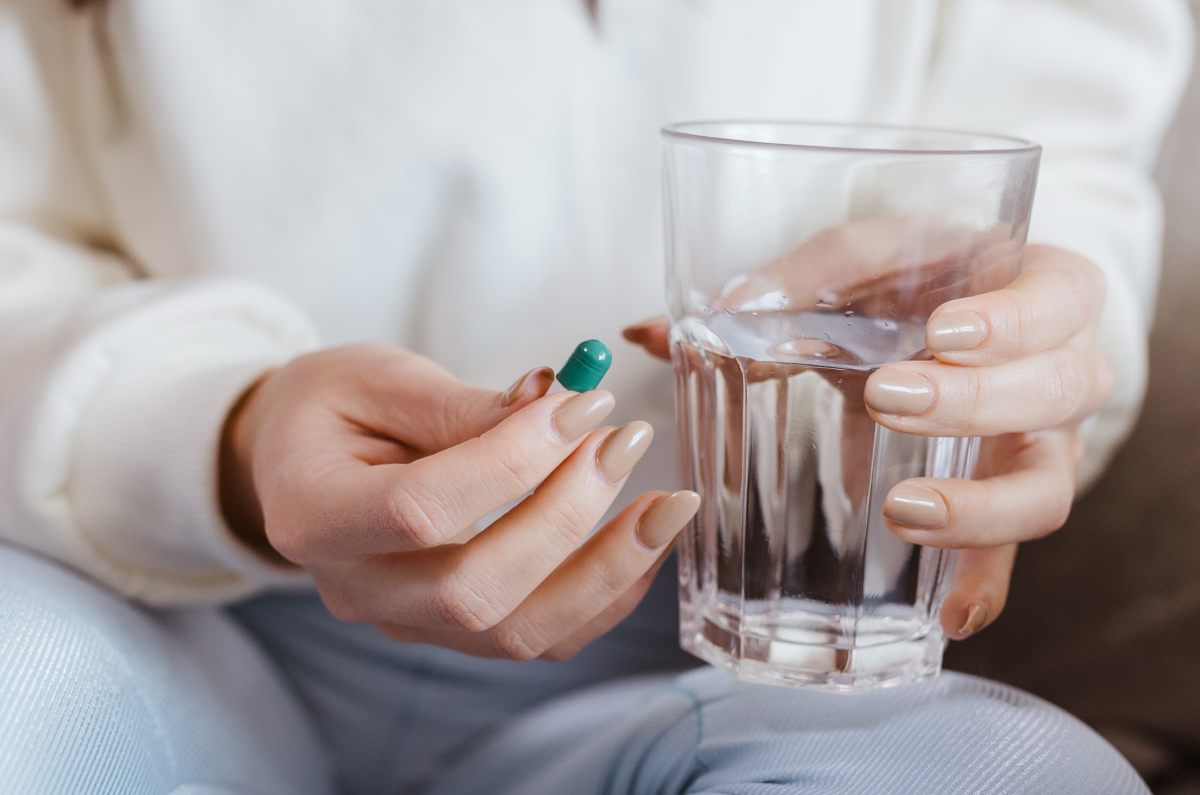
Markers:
point(687, 130)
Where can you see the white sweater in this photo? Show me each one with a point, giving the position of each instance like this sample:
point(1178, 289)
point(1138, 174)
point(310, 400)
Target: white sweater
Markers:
point(192, 192)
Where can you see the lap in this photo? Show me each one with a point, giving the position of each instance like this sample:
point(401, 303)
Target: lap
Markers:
point(410, 718)
point(704, 732)
point(99, 696)
point(392, 715)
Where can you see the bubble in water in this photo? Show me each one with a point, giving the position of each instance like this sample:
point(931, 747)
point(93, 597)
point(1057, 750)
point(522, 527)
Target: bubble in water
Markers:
point(809, 348)
point(849, 313)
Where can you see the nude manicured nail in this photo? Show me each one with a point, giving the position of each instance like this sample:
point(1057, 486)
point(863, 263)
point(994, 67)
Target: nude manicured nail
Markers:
point(583, 413)
point(532, 384)
point(897, 391)
point(666, 518)
point(916, 506)
point(956, 330)
point(621, 451)
point(977, 616)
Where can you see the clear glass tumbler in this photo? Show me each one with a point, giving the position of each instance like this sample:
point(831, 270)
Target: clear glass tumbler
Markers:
point(801, 258)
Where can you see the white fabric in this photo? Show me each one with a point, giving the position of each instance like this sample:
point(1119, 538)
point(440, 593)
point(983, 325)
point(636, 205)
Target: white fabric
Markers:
point(192, 191)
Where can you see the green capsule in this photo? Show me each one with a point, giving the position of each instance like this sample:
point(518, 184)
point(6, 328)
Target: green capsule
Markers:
point(586, 367)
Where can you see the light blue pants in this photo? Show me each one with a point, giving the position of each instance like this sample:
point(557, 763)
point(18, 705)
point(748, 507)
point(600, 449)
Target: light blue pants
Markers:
point(97, 696)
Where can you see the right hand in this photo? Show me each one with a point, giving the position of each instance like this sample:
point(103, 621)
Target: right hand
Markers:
point(364, 465)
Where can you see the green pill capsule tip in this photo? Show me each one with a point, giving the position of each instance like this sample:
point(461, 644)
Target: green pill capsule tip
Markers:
point(586, 366)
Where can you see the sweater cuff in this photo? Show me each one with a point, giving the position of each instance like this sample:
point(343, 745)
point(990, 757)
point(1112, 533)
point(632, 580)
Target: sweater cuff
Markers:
point(144, 480)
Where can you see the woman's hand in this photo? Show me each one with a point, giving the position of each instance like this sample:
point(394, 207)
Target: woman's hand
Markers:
point(1019, 365)
point(366, 465)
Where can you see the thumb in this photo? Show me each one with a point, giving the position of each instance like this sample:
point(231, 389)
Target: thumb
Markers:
point(651, 334)
point(409, 399)
point(468, 411)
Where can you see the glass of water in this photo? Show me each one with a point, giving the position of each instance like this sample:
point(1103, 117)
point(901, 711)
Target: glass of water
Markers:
point(801, 258)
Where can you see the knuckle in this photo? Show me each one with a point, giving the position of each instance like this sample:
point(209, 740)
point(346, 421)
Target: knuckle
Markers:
point(975, 390)
point(514, 643)
point(516, 472)
point(341, 607)
point(291, 541)
point(511, 470)
point(1028, 324)
point(608, 584)
point(568, 514)
point(561, 654)
point(979, 498)
point(1076, 284)
point(1058, 507)
point(1009, 319)
point(1063, 502)
point(1064, 388)
point(365, 366)
point(1078, 298)
point(417, 517)
point(454, 411)
point(1092, 283)
point(458, 605)
point(395, 364)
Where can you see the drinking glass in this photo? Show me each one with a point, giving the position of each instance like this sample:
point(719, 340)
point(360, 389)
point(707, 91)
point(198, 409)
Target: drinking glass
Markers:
point(800, 258)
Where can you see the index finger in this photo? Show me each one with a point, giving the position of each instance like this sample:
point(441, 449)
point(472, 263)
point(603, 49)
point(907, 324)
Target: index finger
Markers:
point(425, 503)
point(1056, 296)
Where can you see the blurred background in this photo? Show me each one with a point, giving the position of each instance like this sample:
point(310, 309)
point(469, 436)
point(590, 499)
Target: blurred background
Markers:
point(1104, 616)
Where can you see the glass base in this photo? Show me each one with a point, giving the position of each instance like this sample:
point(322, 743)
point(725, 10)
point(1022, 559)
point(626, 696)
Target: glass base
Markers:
point(798, 657)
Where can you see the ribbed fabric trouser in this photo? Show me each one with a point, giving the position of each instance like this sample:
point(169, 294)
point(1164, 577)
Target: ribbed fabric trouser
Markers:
point(98, 696)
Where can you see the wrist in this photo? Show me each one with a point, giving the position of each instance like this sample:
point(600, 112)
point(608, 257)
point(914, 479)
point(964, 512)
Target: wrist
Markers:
point(238, 497)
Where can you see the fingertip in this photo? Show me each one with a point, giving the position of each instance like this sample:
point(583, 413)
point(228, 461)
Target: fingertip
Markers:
point(967, 620)
point(915, 505)
point(980, 591)
point(900, 391)
point(955, 330)
point(581, 412)
point(638, 330)
point(529, 387)
point(666, 517)
point(651, 335)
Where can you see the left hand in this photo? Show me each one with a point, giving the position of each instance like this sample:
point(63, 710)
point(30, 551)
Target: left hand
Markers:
point(1020, 366)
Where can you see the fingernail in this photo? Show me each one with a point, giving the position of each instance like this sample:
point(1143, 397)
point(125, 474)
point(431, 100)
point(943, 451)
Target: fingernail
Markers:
point(583, 413)
point(621, 451)
point(955, 330)
point(977, 615)
point(533, 383)
point(896, 391)
point(666, 518)
point(637, 331)
point(916, 506)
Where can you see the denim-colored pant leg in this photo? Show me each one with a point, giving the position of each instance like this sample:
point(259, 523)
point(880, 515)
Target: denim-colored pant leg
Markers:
point(393, 715)
point(704, 732)
point(98, 696)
